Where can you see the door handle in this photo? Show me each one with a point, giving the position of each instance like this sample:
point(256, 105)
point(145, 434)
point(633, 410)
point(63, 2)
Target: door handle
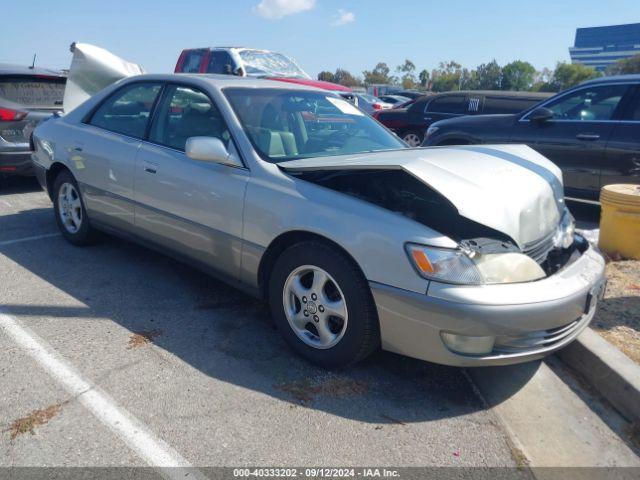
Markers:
point(77, 149)
point(588, 136)
point(149, 169)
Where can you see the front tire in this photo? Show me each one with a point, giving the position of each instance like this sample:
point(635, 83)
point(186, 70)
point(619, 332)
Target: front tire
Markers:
point(71, 215)
point(323, 306)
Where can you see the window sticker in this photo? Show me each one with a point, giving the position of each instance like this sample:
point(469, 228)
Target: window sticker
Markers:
point(345, 107)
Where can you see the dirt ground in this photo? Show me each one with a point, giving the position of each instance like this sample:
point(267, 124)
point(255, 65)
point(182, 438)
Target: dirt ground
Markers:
point(618, 316)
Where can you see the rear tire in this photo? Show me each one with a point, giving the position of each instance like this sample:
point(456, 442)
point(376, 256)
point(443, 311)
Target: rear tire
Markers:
point(71, 215)
point(413, 138)
point(323, 306)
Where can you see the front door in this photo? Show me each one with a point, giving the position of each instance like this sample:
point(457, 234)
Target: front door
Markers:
point(193, 208)
point(576, 136)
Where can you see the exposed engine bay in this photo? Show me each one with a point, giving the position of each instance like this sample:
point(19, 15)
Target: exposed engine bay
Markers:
point(401, 193)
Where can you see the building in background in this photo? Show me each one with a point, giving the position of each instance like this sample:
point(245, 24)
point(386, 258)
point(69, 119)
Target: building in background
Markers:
point(599, 47)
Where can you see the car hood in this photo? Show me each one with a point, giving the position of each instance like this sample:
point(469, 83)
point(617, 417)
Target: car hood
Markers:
point(510, 188)
point(92, 69)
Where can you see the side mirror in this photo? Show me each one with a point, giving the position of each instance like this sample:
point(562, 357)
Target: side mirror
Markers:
point(541, 115)
point(210, 149)
point(239, 72)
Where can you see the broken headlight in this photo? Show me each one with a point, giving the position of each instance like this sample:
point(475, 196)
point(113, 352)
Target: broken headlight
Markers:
point(566, 230)
point(456, 266)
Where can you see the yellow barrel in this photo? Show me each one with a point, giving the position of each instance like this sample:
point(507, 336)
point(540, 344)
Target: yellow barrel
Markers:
point(620, 220)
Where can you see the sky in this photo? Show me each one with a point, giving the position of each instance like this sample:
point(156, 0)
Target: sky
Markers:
point(319, 34)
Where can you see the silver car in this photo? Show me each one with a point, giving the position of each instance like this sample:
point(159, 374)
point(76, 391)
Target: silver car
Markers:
point(462, 256)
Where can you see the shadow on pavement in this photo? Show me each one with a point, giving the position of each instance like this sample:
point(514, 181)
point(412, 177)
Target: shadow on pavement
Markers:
point(230, 336)
point(13, 185)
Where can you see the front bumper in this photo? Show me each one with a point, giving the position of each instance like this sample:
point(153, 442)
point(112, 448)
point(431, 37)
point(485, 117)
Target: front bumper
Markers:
point(528, 320)
point(16, 163)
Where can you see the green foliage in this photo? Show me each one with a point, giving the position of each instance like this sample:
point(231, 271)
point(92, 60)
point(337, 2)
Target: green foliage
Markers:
point(341, 76)
point(408, 78)
point(569, 74)
point(518, 75)
point(489, 76)
point(625, 66)
point(326, 76)
point(447, 76)
point(423, 76)
point(380, 74)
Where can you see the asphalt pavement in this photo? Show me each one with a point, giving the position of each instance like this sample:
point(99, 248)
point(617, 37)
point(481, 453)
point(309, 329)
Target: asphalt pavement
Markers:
point(116, 355)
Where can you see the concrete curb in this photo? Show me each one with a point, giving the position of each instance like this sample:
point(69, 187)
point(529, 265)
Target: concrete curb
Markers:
point(614, 375)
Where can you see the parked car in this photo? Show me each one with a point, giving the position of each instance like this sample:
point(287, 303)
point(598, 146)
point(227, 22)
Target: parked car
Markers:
point(592, 132)
point(462, 257)
point(250, 62)
point(411, 123)
point(370, 104)
point(27, 96)
point(395, 100)
point(413, 94)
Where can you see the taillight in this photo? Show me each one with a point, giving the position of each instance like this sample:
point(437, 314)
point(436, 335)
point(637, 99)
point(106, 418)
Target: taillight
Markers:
point(8, 115)
point(377, 106)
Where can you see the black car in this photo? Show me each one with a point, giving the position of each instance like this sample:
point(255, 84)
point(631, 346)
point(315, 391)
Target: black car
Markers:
point(28, 95)
point(411, 123)
point(592, 132)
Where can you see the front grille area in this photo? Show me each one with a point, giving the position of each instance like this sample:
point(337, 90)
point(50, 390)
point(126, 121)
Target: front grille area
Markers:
point(539, 250)
point(534, 340)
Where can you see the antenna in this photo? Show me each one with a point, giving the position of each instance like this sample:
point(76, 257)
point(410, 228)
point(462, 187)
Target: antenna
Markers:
point(33, 64)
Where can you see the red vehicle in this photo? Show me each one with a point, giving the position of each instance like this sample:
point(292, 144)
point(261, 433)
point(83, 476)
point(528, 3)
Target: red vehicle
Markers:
point(249, 62)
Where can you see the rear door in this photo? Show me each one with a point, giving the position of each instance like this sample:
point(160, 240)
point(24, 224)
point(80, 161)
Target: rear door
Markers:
point(191, 207)
point(622, 164)
point(102, 152)
point(576, 136)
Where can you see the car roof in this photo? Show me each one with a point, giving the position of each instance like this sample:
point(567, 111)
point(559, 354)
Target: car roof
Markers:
point(12, 69)
point(498, 93)
point(634, 77)
point(223, 81)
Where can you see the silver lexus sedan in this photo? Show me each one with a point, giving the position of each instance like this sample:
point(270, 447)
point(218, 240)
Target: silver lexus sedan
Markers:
point(462, 256)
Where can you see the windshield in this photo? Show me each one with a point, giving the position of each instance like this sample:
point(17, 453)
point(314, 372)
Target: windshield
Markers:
point(258, 63)
point(288, 124)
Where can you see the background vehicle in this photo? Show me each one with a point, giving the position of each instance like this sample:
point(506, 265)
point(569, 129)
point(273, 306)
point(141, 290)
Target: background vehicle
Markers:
point(249, 62)
point(411, 123)
point(27, 96)
point(370, 104)
point(592, 132)
point(264, 184)
point(395, 100)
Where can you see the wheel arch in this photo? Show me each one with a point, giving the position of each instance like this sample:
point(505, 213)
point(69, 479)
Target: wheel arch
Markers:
point(286, 240)
point(52, 173)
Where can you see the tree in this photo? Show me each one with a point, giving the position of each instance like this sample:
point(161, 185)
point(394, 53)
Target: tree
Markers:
point(343, 77)
point(518, 75)
point(569, 74)
point(326, 76)
point(625, 66)
point(408, 77)
point(489, 76)
point(380, 74)
point(447, 76)
point(423, 76)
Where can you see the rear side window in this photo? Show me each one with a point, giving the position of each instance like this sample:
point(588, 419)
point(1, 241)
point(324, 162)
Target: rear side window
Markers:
point(456, 104)
point(33, 91)
point(507, 105)
point(193, 60)
point(186, 112)
point(220, 62)
point(127, 110)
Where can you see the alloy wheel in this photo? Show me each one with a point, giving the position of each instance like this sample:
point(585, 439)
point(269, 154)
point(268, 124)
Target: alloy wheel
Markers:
point(70, 207)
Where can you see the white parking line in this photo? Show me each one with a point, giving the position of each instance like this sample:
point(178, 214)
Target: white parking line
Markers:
point(136, 435)
point(28, 239)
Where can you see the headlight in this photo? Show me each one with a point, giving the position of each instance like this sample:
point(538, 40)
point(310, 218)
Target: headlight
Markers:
point(564, 235)
point(431, 130)
point(455, 266)
point(444, 264)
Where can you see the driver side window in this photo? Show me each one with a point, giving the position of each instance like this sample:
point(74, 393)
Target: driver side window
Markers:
point(591, 103)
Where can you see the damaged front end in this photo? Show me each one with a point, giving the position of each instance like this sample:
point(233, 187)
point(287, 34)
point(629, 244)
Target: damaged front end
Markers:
point(485, 255)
